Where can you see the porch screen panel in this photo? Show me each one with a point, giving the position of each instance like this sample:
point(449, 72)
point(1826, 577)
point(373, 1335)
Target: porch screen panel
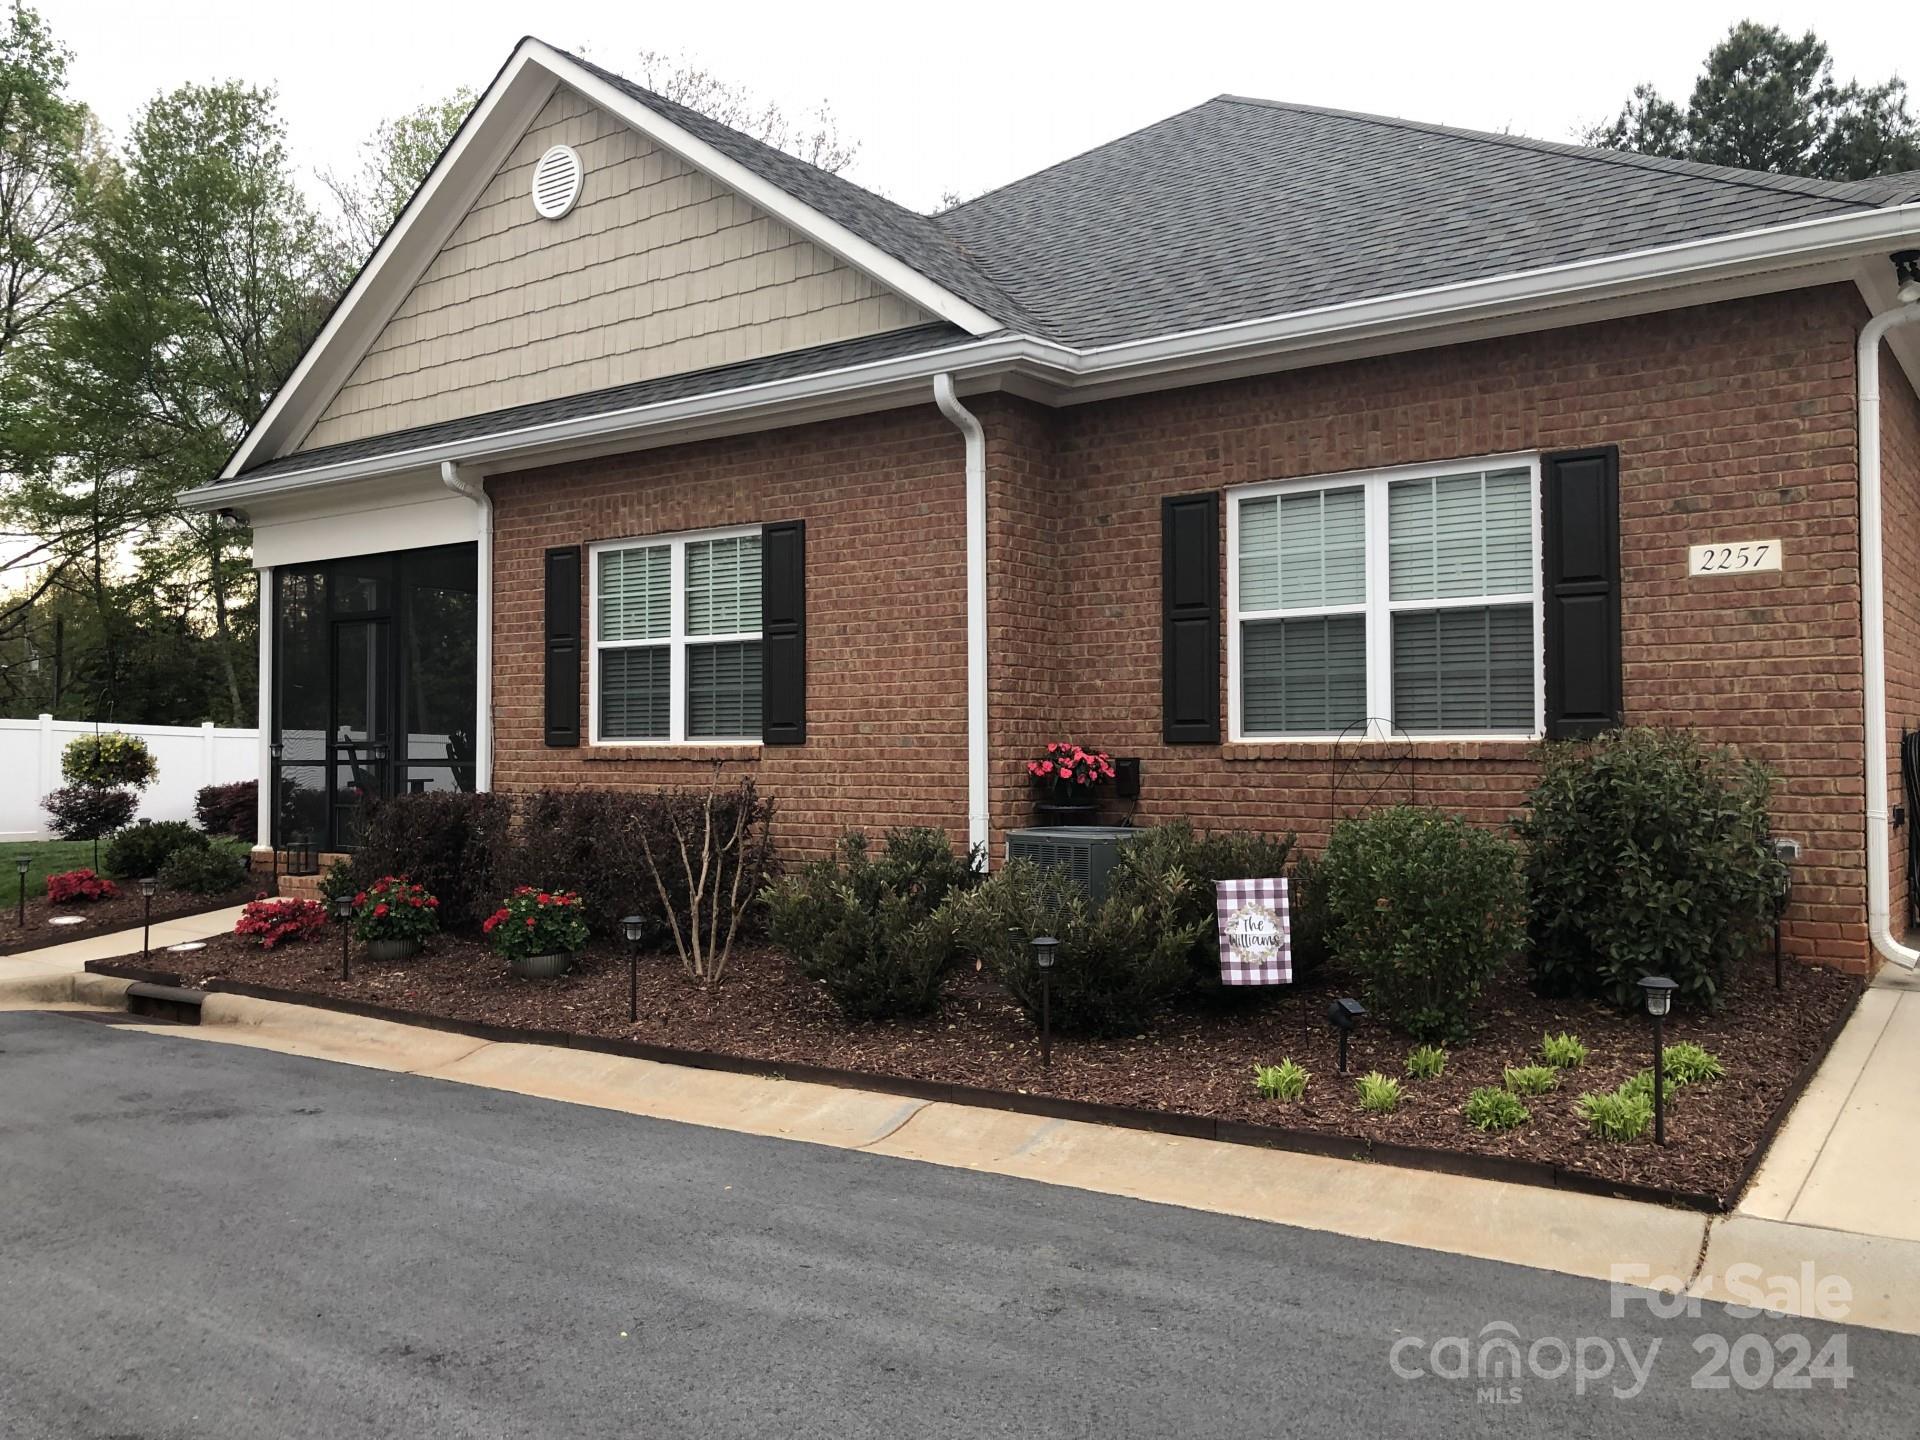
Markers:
point(301, 674)
point(636, 693)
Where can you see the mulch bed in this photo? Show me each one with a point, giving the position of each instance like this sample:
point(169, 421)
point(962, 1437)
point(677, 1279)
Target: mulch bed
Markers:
point(101, 917)
point(1197, 1062)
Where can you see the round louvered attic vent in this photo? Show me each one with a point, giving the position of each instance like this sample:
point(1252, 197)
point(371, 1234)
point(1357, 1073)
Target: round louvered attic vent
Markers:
point(556, 182)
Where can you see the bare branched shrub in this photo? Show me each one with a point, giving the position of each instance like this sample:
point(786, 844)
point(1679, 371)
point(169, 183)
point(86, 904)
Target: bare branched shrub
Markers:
point(709, 852)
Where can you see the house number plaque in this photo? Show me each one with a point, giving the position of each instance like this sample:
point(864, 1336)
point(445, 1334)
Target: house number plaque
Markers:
point(1734, 557)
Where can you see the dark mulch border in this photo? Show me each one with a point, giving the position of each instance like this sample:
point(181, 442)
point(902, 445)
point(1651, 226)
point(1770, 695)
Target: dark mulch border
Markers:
point(1273, 1137)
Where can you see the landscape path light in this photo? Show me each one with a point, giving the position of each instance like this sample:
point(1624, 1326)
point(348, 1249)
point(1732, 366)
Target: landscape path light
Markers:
point(343, 912)
point(148, 885)
point(1343, 1015)
point(1045, 947)
point(632, 927)
point(1659, 992)
point(22, 863)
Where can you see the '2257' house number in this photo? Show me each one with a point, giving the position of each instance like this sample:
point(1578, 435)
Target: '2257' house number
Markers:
point(1737, 558)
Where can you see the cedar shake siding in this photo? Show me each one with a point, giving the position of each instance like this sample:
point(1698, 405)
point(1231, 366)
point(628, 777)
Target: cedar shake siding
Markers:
point(1733, 421)
point(656, 271)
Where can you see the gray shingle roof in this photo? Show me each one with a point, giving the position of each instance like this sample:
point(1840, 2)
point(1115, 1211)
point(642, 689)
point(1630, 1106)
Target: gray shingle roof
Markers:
point(623, 397)
point(1239, 209)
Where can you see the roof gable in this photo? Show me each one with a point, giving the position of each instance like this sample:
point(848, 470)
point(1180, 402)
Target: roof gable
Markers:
point(656, 271)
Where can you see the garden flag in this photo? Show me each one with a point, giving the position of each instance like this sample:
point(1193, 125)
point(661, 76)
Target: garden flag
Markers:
point(1256, 946)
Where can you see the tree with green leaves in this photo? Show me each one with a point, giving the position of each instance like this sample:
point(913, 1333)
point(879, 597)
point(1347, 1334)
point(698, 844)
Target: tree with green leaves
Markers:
point(1766, 101)
point(208, 274)
point(393, 162)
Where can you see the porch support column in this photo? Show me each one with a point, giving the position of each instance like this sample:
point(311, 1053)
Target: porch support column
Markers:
point(267, 788)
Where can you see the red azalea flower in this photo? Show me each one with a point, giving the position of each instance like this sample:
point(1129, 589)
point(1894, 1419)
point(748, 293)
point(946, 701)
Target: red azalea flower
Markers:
point(380, 909)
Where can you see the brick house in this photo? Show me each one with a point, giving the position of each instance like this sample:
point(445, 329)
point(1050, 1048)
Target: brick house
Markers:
point(1282, 448)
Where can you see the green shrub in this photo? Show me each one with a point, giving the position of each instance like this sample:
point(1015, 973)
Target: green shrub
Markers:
point(1647, 853)
point(863, 925)
point(1308, 918)
point(1687, 1064)
point(1563, 1051)
point(1378, 1093)
point(109, 760)
point(1426, 1062)
point(1426, 911)
point(203, 870)
point(143, 847)
point(1119, 962)
point(1158, 853)
point(88, 812)
point(1285, 1081)
point(1492, 1109)
point(1618, 1115)
point(457, 844)
point(1531, 1079)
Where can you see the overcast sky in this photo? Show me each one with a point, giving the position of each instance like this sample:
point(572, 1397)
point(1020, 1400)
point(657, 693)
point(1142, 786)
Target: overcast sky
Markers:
point(960, 97)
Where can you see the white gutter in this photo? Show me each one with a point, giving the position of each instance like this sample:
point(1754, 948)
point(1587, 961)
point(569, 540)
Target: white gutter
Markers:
point(968, 425)
point(476, 491)
point(1873, 624)
point(1430, 312)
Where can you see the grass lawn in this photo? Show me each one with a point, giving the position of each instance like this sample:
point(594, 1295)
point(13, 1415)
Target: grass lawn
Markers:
point(50, 857)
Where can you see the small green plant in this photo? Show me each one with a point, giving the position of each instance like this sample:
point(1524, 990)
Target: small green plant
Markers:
point(1378, 1093)
point(337, 882)
point(1531, 1079)
point(1563, 1051)
point(1492, 1109)
point(1285, 1081)
point(1687, 1064)
point(1622, 1114)
point(1426, 1062)
point(143, 847)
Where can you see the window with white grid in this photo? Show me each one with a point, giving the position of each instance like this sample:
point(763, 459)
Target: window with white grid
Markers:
point(676, 638)
point(1402, 600)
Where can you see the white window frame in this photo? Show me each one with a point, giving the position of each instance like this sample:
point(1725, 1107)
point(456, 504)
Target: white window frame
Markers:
point(677, 640)
point(1379, 607)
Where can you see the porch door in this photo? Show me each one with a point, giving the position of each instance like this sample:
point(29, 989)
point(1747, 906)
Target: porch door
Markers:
point(360, 747)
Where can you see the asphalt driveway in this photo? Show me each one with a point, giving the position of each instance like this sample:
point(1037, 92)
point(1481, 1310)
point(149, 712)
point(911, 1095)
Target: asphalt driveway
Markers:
point(199, 1240)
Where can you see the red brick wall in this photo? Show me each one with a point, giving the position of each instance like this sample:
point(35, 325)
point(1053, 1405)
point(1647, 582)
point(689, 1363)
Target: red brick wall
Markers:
point(1734, 422)
point(883, 498)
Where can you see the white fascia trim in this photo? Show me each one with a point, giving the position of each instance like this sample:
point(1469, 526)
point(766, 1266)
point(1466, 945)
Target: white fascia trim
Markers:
point(1066, 374)
point(890, 272)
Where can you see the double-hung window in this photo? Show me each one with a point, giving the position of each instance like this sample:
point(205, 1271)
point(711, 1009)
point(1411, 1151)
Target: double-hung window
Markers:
point(676, 638)
point(1405, 600)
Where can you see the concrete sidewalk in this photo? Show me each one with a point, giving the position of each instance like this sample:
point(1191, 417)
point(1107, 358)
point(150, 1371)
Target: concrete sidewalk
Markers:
point(1544, 1229)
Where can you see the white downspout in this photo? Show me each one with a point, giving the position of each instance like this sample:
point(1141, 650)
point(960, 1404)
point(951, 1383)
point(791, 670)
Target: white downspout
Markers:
point(1873, 624)
point(476, 491)
point(968, 425)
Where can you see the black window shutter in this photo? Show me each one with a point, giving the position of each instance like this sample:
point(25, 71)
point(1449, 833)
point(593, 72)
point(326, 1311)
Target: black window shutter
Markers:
point(563, 646)
point(1580, 514)
point(1190, 618)
point(783, 633)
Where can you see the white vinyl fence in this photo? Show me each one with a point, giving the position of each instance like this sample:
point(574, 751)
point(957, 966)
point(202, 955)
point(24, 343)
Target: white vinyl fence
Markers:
point(189, 756)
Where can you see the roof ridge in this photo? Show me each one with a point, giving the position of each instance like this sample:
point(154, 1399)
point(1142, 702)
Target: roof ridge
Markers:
point(1860, 192)
point(1069, 159)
